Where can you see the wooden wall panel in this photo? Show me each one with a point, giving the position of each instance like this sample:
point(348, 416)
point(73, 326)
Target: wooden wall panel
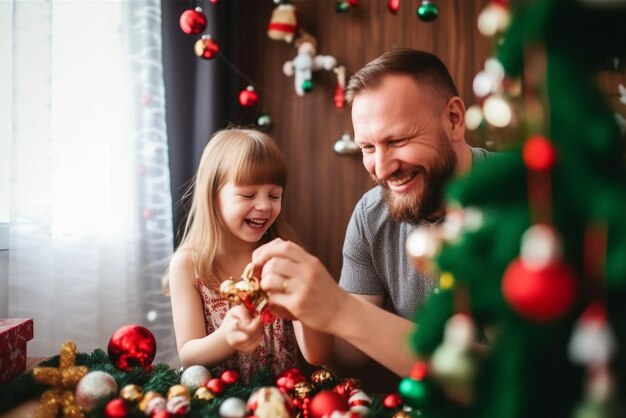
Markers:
point(324, 187)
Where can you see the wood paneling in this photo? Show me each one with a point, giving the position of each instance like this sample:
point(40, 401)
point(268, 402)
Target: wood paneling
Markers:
point(323, 186)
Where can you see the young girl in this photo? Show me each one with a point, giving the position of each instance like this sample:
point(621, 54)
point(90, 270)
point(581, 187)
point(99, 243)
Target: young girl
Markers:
point(237, 197)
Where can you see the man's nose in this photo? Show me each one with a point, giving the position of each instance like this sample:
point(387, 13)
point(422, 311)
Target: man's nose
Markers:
point(385, 164)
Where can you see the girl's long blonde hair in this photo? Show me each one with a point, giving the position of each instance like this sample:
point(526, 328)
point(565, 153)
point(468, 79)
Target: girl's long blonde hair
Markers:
point(247, 157)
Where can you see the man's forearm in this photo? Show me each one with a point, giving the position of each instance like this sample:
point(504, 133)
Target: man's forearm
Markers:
point(378, 333)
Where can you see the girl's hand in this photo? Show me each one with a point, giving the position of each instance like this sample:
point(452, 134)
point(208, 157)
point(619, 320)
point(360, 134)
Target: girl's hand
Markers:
point(243, 332)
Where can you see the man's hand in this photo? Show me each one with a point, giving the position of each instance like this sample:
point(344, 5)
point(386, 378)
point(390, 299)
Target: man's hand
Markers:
point(298, 282)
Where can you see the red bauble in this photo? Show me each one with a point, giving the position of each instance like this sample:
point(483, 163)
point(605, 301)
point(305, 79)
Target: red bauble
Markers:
point(345, 386)
point(539, 294)
point(287, 379)
point(216, 385)
point(132, 346)
point(248, 97)
point(539, 153)
point(392, 401)
point(393, 6)
point(327, 401)
point(116, 408)
point(192, 21)
point(353, 3)
point(419, 370)
point(206, 47)
point(161, 414)
point(229, 376)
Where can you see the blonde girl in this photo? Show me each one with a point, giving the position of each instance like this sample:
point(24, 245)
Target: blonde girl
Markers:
point(236, 204)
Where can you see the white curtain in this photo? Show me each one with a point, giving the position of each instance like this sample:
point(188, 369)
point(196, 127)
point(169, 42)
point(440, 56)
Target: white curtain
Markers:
point(90, 207)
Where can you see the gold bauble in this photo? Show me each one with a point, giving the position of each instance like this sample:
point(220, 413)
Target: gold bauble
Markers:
point(204, 394)
point(178, 390)
point(131, 393)
point(321, 376)
point(302, 389)
point(143, 404)
point(401, 414)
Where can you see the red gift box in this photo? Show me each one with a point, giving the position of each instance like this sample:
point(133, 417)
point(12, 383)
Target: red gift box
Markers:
point(14, 334)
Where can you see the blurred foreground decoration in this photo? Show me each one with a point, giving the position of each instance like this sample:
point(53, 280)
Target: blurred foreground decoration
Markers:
point(553, 224)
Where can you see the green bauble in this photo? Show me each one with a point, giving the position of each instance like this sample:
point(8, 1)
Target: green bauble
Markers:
point(342, 7)
point(264, 121)
point(307, 85)
point(427, 12)
point(416, 393)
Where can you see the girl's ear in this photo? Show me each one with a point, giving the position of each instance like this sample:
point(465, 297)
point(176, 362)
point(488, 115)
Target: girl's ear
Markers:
point(455, 119)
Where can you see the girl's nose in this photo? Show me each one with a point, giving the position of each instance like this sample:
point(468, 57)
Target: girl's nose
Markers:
point(262, 203)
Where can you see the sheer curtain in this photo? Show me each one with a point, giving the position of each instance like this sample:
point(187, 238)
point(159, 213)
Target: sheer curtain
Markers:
point(91, 221)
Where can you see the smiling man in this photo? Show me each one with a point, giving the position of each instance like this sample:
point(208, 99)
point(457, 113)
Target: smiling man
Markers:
point(410, 125)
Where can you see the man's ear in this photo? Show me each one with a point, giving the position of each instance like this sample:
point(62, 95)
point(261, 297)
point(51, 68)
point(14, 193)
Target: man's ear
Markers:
point(455, 118)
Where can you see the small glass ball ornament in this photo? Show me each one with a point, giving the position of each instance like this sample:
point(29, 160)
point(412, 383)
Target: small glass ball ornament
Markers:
point(427, 12)
point(152, 403)
point(178, 390)
point(132, 346)
point(195, 376)
point(321, 376)
point(393, 6)
point(193, 21)
point(233, 408)
point(346, 145)
point(94, 387)
point(203, 394)
point(264, 122)
point(248, 97)
point(178, 405)
point(342, 6)
point(116, 408)
point(131, 393)
point(307, 85)
point(206, 47)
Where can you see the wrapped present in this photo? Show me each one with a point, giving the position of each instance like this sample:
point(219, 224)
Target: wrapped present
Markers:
point(14, 334)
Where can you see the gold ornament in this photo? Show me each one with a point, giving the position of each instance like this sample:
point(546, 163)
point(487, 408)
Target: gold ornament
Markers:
point(178, 390)
point(152, 402)
point(131, 393)
point(302, 389)
point(147, 397)
point(204, 394)
point(401, 414)
point(247, 291)
point(60, 398)
point(321, 376)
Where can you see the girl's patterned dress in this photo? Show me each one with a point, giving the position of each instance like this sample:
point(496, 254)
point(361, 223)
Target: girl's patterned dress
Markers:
point(276, 352)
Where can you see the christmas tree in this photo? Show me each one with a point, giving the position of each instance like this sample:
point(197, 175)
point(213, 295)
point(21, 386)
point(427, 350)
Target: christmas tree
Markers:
point(532, 258)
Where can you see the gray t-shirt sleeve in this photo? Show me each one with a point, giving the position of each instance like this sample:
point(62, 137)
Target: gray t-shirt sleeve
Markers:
point(358, 273)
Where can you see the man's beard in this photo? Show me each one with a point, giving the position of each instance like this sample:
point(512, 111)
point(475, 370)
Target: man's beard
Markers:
point(415, 206)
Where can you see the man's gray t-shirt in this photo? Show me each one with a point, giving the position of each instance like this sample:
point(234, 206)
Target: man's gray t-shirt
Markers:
point(375, 261)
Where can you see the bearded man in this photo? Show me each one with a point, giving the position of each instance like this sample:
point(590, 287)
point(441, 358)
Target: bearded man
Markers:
point(410, 125)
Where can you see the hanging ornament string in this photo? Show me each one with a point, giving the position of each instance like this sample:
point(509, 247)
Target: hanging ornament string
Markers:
point(266, 91)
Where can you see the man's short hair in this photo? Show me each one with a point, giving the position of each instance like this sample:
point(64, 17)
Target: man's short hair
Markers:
point(425, 68)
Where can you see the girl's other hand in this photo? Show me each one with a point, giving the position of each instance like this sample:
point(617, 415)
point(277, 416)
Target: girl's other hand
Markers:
point(242, 330)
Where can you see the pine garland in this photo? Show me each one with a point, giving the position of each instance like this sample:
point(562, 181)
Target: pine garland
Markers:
point(24, 387)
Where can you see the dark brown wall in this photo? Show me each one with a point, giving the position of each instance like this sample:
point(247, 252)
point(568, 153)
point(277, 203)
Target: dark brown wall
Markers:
point(323, 186)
